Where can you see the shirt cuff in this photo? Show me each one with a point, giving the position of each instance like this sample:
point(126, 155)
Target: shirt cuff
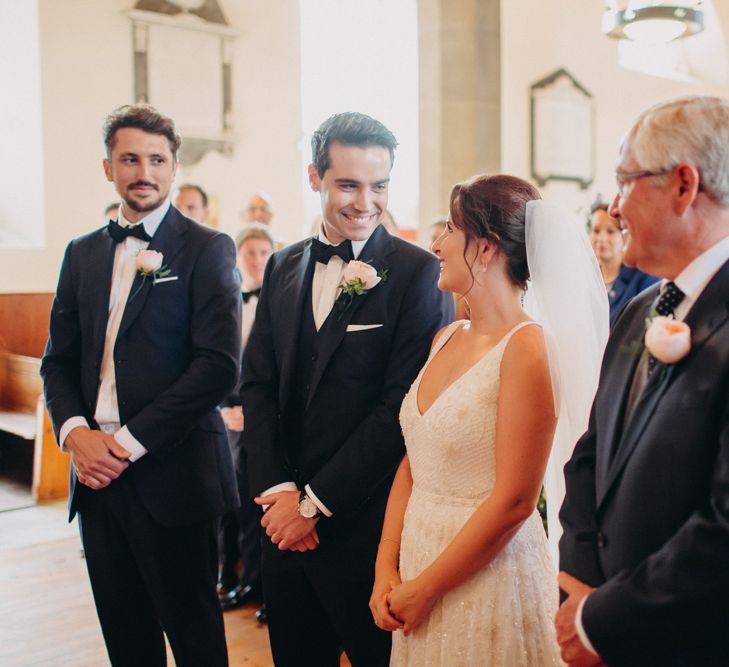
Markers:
point(68, 426)
point(124, 437)
point(324, 509)
point(581, 628)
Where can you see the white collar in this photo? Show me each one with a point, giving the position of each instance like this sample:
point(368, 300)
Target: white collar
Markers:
point(694, 277)
point(151, 222)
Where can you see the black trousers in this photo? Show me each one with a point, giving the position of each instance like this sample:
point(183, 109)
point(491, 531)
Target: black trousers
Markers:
point(149, 579)
point(239, 538)
point(318, 606)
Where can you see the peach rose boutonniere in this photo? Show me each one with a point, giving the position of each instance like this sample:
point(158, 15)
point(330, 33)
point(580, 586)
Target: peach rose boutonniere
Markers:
point(667, 339)
point(150, 264)
point(359, 278)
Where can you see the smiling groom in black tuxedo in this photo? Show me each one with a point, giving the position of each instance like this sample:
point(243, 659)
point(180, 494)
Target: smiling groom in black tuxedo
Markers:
point(324, 376)
point(144, 343)
point(645, 548)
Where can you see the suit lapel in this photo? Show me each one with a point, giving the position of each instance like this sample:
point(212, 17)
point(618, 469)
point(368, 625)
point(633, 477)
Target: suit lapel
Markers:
point(619, 380)
point(98, 278)
point(293, 290)
point(169, 240)
point(375, 252)
point(709, 312)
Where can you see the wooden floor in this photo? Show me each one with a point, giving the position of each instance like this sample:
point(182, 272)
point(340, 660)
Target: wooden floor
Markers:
point(47, 615)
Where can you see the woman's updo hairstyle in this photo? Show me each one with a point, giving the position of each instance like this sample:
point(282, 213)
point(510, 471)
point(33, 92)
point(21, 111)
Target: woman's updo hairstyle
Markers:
point(494, 208)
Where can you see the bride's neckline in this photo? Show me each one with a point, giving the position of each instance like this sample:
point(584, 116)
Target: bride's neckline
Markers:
point(456, 326)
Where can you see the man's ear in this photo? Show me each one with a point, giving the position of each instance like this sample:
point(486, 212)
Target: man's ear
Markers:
point(689, 182)
point(107, 170)
point(314, 180)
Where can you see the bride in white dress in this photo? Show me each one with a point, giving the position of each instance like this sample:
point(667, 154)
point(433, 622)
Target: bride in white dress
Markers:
point(463, 568)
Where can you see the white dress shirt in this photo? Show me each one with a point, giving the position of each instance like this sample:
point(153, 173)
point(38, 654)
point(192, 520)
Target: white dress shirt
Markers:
point(325, 291)
point(691, 281)
point(248, 311)
point(122, 277)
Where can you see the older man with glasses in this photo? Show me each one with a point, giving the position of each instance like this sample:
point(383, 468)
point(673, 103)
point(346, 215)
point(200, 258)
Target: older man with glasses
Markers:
point(645, 547)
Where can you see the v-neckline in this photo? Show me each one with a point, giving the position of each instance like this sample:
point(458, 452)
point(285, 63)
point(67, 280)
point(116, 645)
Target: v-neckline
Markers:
point(445, 390)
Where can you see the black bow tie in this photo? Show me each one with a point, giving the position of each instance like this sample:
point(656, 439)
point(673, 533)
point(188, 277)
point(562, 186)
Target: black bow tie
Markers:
point(323, 252)
point(247, 295)
point(119, 233)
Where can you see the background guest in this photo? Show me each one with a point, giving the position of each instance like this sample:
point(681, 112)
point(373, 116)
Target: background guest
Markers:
point(240, 541)
point(258, 210)
point(111, 212)
point(622, 282)
point(192, 200)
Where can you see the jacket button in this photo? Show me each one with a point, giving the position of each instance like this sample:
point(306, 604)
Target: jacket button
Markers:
point(601, 541)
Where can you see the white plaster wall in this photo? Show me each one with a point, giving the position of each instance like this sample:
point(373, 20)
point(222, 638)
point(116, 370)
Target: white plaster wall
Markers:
point(540, 36)
point(86, 69)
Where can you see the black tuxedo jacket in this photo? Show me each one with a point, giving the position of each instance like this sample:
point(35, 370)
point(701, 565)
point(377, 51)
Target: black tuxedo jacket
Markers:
point(176, 356)
point(646, 515)
point(351, 441)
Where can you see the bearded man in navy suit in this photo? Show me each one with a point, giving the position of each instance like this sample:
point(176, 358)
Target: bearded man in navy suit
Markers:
point(144, 344)
point(326, 368)
point(645, 549)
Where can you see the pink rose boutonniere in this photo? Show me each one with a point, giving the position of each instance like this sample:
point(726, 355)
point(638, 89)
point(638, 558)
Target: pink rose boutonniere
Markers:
point(150, 265)
point(359, 278)
point(667, 339)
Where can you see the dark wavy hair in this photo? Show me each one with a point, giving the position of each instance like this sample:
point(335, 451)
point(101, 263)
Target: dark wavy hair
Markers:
point(349, 129)
point(494, 208)
point(143, 117)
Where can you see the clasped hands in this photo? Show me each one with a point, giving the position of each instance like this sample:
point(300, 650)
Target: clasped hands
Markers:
point(97, 457)
point(573, 651)
point(283, 523)
point(400, 605)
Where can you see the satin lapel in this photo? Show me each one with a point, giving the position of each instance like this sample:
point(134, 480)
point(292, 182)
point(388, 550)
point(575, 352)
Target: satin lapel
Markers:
point(169, 240)
point(98, 276)
point(619, 372)
point(291, 299)
point(709, 312)
point(375, 252)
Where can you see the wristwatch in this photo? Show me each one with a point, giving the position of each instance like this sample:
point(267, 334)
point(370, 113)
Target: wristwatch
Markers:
point(307, 507)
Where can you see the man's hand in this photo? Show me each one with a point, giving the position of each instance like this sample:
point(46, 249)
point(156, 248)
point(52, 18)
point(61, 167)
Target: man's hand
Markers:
point(97, 457)
point(233, 418)
point(573, 651)
point(282, 521)
point(306, 543)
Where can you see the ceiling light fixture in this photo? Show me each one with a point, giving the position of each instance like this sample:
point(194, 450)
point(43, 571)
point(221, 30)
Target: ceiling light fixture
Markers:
point(652, 23)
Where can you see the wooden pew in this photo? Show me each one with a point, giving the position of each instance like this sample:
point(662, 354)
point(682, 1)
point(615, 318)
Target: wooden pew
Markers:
point(23, 332)
point(23, 413)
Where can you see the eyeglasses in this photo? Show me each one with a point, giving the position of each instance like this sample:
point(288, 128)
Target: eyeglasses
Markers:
point(624, 178)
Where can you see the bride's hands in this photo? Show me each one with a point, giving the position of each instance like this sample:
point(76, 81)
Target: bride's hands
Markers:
point(411, 603)
point(378, 601)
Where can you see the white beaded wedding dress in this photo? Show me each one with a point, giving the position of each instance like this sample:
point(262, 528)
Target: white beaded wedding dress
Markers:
point(504, 614)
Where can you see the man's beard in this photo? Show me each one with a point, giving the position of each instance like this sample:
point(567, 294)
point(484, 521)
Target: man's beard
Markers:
point(143, 207)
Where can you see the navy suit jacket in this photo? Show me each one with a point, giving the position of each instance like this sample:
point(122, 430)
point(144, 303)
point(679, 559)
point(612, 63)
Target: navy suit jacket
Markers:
point(176, 356)
point(351, 437)
point(629, 283)
point(646, 514)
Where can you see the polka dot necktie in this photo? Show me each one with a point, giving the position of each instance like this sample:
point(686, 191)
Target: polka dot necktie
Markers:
point(667, 302)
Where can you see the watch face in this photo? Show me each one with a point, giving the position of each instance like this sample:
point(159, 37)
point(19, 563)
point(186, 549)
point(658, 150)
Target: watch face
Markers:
point(307, 509)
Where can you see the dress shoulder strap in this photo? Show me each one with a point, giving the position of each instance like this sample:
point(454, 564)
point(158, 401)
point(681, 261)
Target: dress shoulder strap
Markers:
point(445, 336)
point(507, 336)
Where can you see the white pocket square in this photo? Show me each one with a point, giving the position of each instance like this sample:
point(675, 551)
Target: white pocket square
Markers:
point(362, 327)
point(157, 281)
